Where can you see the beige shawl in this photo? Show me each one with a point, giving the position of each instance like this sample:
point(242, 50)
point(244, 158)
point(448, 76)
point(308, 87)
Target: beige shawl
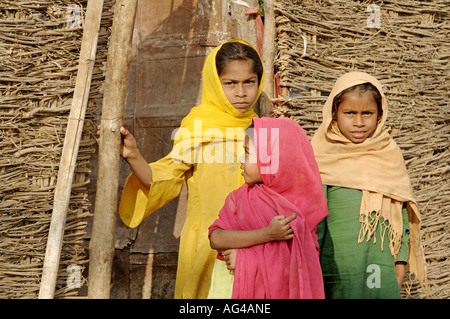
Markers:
point(376, 167)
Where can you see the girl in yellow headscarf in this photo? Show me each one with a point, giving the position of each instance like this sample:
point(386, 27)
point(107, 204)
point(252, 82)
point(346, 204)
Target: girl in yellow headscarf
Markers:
point(205, 155)
point(373, 228)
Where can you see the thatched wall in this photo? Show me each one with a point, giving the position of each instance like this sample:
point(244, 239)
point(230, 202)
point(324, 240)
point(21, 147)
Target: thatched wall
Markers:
point(408, 50)
point(39, 52)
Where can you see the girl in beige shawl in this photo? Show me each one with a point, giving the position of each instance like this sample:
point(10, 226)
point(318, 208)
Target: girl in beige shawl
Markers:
point(372, 233)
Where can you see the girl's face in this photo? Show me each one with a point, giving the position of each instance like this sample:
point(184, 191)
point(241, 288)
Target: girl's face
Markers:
point(240, 84)
point(357, 116)
point(249, 164)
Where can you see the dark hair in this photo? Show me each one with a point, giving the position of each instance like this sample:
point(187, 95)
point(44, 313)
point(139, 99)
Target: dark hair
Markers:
point(250, 131)
point(232, 51)
point(362, 88)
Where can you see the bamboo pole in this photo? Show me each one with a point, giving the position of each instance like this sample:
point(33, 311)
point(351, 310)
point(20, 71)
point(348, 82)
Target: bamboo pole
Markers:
point(102, 248)
point(70, 149)
point(268, 53)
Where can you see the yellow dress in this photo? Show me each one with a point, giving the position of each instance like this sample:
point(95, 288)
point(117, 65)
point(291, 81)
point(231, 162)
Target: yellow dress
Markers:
point(205, 155)
point(222, 281)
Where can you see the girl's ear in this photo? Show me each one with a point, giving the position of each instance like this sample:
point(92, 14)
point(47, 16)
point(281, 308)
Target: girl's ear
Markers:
point(334, 107)
point(380, 117)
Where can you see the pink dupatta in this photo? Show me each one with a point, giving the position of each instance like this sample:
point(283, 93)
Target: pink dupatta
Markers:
point(291, 184)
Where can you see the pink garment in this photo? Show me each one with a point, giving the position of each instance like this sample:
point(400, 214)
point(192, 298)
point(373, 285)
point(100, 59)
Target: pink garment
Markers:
point(291, 184)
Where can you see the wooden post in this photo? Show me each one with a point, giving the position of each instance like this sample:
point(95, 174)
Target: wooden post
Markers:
point(102, 248)
point(70, 149)
point(268, 54)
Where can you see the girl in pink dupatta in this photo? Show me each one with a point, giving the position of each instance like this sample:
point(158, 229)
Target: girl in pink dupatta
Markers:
point(289, 184)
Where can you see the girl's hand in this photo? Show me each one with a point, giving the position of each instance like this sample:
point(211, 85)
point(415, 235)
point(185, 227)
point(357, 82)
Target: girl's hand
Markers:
point(130, 152)
point(400, 273)
point(230, 258)
point(128, 147)
point(279, 229)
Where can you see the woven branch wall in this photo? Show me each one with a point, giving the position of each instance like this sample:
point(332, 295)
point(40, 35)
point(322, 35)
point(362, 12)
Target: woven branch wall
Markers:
point(39, 52)
point(405, 44)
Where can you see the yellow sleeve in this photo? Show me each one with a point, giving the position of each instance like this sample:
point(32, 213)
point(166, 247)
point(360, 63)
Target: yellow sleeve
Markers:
point(138, 202)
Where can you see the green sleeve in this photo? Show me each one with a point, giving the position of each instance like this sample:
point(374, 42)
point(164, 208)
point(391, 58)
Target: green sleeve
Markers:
point(322, 226)
point(404, 248)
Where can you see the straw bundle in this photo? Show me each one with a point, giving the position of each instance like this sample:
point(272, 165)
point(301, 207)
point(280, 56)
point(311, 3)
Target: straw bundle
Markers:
point(39, 52)
point(409, 52)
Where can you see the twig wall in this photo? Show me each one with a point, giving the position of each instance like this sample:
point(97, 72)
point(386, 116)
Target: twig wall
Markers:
point(39, 54)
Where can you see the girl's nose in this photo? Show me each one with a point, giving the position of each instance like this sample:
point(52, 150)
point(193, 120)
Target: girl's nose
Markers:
point(242, 159)
point(240, 91)
point(358, 120)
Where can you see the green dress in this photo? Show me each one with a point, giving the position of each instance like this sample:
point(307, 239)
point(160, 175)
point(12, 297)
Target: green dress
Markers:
point(351, 269)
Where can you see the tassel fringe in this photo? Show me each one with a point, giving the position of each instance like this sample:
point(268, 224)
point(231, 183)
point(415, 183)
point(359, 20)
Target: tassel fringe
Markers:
point(369, 223)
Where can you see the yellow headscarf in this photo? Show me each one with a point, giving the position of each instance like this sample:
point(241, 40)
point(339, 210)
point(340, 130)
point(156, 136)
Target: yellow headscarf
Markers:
point(376, 167)
point(217, 115)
